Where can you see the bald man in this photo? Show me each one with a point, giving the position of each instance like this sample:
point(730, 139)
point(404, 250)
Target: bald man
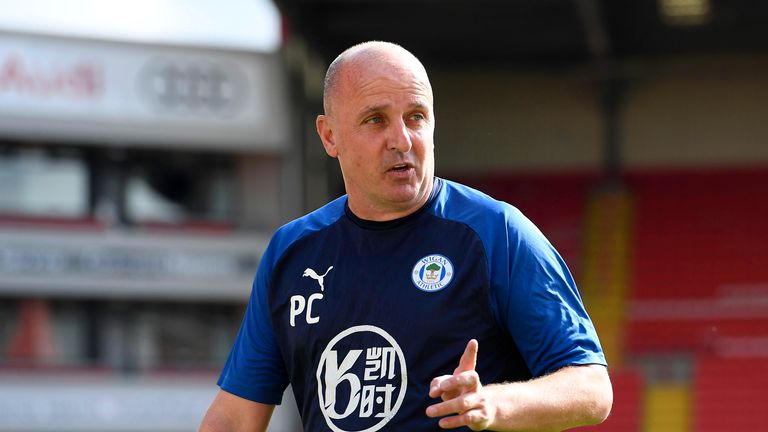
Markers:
point(375, 307)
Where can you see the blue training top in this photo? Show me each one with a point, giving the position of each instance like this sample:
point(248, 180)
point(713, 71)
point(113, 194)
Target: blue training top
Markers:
point(360, 316)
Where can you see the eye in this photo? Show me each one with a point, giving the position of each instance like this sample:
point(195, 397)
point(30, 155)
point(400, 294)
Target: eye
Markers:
point(418, 117)
point(374, 120)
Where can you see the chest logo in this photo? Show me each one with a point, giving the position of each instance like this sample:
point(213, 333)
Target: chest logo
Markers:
point(302, 306)
point(432, 273)
point(361, 379)
point(319, 278)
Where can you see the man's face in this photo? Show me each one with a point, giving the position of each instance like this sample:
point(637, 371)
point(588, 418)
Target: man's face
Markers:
point(381, 128)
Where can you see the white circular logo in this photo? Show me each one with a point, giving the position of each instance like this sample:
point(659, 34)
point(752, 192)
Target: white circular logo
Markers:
point(432, 273)
point(361, 379)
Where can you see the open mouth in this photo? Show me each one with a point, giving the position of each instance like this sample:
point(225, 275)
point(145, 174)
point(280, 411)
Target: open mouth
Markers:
point(400, 167)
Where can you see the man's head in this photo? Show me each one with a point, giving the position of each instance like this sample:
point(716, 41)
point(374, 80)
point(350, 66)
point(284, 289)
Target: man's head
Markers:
point(379, 124)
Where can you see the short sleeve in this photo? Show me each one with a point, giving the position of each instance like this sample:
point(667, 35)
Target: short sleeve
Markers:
point(255, 368)
point(540, 305)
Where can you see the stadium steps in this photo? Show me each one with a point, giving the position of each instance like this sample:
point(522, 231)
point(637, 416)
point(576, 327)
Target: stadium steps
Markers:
point(604, 274)
point(667, 407)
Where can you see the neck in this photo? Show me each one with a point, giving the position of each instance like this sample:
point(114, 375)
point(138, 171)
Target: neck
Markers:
point(381, 213)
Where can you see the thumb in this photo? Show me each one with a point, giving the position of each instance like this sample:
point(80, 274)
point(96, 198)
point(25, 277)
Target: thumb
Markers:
point(468, 360)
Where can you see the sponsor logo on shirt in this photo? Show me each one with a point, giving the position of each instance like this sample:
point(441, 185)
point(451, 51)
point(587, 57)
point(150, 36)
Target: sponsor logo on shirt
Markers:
point(361, 380)
point(432, 273)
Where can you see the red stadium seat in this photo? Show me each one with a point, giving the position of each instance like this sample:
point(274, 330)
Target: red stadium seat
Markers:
point(700, 245)
point(729, 395)
point(699, 233)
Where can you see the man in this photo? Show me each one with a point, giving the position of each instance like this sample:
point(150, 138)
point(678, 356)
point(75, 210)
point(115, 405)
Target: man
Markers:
point(366, 305)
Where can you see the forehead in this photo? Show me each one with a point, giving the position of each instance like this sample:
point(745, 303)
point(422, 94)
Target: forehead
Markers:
point(379, 82)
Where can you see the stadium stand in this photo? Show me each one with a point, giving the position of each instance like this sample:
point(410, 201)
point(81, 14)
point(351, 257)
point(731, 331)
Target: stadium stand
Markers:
point(699, 273)
point(699, 233)
point(729, 395)
point(682, 302)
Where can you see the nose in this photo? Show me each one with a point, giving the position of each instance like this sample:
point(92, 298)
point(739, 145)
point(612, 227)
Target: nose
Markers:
point(399, 137)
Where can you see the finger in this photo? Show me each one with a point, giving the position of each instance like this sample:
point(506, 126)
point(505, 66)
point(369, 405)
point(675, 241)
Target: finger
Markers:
point(434, 386)
point(454, 386)
point(465, 381)
point(456, 405)
point(453, 422)
point(473, 419)
point(445, 408)
point(468, 360)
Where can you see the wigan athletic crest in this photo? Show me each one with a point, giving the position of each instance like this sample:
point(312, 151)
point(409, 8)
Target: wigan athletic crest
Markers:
point(432, 273)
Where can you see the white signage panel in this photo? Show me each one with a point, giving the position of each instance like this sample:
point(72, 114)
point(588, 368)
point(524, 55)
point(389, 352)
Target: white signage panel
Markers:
point(70, 402)
point(104, 92)
point(126, 265)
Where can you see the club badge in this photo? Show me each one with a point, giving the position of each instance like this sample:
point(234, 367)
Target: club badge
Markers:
point(432, 273)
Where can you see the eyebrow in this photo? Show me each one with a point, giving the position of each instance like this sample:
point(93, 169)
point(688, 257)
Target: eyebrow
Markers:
point(382, 107)
point(373, 109)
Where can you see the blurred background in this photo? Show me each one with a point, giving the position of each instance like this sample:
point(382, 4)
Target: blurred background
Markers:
point(148, 149)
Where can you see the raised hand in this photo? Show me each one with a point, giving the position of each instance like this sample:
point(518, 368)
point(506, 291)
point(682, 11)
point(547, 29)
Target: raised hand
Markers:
point(463, 395)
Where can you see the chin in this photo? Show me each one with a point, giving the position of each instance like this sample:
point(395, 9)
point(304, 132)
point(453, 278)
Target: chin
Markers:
point(405, 195)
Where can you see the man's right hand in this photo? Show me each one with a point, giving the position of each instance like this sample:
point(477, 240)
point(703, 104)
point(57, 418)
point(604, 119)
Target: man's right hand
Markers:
point(463, 395)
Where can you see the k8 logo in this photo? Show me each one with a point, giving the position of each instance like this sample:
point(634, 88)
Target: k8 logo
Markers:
point(362, 379)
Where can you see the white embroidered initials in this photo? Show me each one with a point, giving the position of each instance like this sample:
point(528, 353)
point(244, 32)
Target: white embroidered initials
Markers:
point(301, 305)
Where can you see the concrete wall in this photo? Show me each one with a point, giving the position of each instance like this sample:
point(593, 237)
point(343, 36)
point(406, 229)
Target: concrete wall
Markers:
point(499, 121)
point(680, 112)
point(699, 112)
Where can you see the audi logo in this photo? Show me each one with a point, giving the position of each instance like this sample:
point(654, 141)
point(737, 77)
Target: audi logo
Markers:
point(193, 87)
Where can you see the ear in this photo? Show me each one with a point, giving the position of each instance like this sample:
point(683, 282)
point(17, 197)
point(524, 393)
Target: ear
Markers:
point(324, 129)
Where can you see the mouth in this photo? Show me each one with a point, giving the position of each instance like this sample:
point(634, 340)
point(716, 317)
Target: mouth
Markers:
point(401, 167)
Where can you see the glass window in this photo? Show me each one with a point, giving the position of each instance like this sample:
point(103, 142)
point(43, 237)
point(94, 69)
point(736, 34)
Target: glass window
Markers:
point(43, 183)
point(163, 187)
point(119, 336)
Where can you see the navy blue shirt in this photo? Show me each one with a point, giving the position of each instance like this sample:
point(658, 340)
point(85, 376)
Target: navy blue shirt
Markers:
point(360, 316)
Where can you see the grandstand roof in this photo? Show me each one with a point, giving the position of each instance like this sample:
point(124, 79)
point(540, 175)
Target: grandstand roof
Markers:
point(534, 33)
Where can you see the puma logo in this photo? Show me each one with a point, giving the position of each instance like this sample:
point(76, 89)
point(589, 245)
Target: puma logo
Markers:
point(311, 273)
